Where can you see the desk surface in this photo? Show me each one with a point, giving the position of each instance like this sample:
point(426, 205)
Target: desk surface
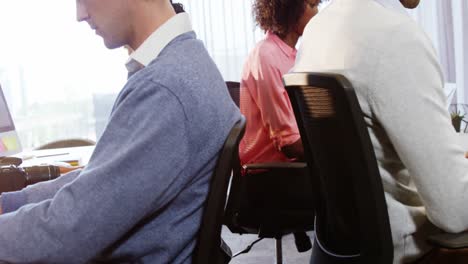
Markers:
point(77, 156)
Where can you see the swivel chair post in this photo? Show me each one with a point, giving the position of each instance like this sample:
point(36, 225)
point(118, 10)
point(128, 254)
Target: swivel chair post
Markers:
point(279, 251)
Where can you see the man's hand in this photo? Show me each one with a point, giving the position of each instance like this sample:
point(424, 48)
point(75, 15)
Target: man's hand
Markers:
point(67, 169)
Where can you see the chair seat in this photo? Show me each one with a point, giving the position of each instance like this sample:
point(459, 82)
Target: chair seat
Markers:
point(273, 203)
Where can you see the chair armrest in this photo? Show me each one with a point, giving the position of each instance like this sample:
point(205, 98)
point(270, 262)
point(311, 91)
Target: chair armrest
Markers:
point(450, 240)
point(275, 165)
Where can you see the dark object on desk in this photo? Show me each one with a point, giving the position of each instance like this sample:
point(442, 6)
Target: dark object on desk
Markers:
point(351, 213)
point(37, 174)
point(210, 247)
point(234, 91)
point(13, 178)
point(67, 143)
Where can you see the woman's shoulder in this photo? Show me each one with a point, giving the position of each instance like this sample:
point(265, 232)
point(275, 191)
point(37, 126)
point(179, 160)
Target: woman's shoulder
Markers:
point(265, 52)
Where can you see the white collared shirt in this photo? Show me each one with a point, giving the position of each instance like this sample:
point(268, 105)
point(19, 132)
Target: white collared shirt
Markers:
point(155, 43)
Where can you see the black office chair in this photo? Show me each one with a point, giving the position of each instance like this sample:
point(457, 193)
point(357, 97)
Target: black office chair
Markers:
point(270, 199)
point(67, 143)
point(271, 204)
point(352, 224)
point(210, 247)
point(234, 91)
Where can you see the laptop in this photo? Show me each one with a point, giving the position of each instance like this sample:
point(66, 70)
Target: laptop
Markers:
point(9, 140)
point(10, 145)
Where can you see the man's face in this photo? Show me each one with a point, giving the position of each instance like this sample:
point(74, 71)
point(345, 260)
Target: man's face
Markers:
point(109, 18)
point(410, 3)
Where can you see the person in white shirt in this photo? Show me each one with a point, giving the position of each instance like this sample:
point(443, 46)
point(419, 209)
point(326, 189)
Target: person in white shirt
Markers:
point(394, 70)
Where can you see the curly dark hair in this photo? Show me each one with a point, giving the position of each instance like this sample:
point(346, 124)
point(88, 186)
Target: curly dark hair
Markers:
point(278, 16)
point(178, 7)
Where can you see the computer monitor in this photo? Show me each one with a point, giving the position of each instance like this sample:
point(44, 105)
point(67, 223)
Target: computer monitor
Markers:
point(9, 141)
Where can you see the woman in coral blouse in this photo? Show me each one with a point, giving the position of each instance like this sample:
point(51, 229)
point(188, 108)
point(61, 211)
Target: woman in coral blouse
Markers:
point(271, 133)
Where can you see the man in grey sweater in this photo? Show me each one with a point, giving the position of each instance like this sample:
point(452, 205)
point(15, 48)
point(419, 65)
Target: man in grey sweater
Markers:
point(154, 160)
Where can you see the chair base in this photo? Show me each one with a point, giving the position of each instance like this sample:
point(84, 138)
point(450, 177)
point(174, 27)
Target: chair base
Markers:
point(320, 256)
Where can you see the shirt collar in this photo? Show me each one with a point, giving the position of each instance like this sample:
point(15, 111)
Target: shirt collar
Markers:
point(287, 50)
point(155, 43)
point(393, 5)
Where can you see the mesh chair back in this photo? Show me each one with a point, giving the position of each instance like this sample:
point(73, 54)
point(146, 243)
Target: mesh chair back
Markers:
point(351, 212)
point(209, 239)
point(234, 91)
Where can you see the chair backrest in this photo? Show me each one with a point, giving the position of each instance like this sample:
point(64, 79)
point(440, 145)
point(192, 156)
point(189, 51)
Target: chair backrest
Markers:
point(209, 238)
point(67, 143)
point(351, 212)
point(234, 90)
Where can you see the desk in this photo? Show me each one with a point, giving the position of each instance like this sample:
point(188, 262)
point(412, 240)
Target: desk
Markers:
point(76, 156)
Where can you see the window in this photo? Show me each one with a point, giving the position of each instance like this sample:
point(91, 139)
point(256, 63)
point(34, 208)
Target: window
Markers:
point(446, 24)
point(60, 80)
point(51, 68)
point(228, 31)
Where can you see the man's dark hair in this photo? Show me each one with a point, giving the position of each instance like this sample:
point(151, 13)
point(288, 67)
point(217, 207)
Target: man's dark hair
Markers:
point(278, 16)
point(178, 7)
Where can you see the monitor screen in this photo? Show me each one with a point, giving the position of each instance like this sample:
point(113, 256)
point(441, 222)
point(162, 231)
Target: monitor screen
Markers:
point(9, 141)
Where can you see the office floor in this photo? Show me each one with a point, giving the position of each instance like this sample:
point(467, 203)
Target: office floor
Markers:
point(264, 252)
